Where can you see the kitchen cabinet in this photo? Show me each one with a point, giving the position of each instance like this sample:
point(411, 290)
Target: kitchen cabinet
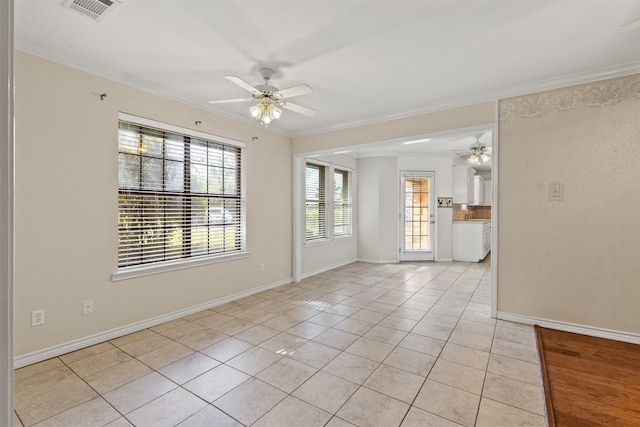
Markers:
point(463, 184)
point(471, 240)
point(478, 190)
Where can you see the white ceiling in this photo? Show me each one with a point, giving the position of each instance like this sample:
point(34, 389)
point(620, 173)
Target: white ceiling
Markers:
point(365, 60)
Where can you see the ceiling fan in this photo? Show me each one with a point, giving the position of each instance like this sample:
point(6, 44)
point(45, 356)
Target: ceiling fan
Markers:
point(629, 25)
point(269, 98)
point(480, 153)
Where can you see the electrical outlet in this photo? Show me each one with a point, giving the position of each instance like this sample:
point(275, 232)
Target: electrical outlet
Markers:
point(261, 268)
point(37, 317)
point(87, 306)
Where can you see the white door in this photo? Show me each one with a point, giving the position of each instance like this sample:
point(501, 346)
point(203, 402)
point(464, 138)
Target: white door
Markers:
point(417, 217)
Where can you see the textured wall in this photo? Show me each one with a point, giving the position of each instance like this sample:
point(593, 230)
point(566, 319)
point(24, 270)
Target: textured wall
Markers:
point(576, 260)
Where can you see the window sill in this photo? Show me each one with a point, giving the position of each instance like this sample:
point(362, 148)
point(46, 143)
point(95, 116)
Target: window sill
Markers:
point(328, 241)
point(139, 271)
point(344, 237)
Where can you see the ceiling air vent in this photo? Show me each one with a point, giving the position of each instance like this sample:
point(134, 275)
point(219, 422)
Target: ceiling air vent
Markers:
point(94, 9)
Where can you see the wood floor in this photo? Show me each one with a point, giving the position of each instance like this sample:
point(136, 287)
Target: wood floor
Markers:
point(589, 381)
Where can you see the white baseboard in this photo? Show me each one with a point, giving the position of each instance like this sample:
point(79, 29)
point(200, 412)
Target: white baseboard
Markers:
point(326, 268)
point(379, 260)
point(444, 260)
point(60, 349)
point(572, 327)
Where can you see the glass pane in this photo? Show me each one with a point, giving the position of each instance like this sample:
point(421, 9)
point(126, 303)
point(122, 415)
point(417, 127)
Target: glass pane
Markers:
point(199, 210)
point(230, 238)
point(231, 157)
point(338, 186)
point(232, 207)
point(199, 240)
point(215, 155)
point(174, 227)
point(230, 182)
point(128, 171)
point(216, 242)
point(312, 183)
point(173, 176)
point(128, 141)
point(198, 152)
point(215, 180)
point(198, 178)
point(151, 174)
point(174, 147)
point(151, 145)
point(152, 236)
point(417, 214)
point(129, 224)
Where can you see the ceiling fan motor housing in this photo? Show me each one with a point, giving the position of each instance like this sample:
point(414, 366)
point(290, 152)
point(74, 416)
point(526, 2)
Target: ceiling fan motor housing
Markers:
point(266, 73)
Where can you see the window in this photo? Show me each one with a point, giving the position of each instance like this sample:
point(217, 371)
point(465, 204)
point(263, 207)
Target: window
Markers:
point(316, 218)
point(321, 216)
point(180, 195)
point(341, 203)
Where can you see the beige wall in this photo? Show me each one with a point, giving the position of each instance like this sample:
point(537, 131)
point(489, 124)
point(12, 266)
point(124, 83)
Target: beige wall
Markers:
point(378, 207)
point(575, 261)
point(66, 208)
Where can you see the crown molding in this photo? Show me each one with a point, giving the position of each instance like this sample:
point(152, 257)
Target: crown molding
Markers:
point(477, 98)
point(130, 81)
point(493, 96)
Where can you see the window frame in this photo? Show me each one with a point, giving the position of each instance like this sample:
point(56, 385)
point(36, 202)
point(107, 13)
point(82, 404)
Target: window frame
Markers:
point(330, 234)
point(322, 200)
point(125, 272)
point(345, 201)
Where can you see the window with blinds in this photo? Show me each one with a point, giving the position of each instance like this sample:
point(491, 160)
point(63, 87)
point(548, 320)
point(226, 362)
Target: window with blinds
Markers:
point(316, 218)
point(179, 196)
point(341, 203)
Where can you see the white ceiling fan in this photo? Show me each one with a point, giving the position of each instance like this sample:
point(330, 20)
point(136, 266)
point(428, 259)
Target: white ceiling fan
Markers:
point(480, 153)
point(629, 25)
point(269, 98)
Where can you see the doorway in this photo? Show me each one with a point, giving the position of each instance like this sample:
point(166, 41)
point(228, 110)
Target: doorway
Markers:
point(417, 217)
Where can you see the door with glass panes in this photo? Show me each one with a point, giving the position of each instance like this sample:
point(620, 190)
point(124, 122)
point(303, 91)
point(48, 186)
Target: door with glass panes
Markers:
point(417, 217)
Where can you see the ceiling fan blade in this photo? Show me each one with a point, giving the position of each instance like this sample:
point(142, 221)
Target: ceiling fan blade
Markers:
point(295, 91)
point(227, 101)
point(629, 25)
point(244, 85)
point(298, 109)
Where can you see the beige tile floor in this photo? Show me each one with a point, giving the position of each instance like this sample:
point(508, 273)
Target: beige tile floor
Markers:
point(362, 345)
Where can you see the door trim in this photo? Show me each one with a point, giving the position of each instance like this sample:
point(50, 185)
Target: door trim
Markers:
point(401, 215)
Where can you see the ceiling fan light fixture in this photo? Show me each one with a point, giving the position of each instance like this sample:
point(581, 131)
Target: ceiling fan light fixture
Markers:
point(475, 159)
point(256, 111)
point(479, 154)
point(265, 111)
point(275, 111)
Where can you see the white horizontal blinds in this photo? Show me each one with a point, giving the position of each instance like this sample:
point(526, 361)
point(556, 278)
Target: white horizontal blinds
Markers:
point(179, 196)
point(316, 215)
point(341, 203)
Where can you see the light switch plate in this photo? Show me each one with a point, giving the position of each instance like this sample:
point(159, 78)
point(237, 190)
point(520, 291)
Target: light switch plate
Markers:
point(555, 191)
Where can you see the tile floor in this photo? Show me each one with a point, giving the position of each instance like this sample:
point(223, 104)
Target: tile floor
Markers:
point(362, 345)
